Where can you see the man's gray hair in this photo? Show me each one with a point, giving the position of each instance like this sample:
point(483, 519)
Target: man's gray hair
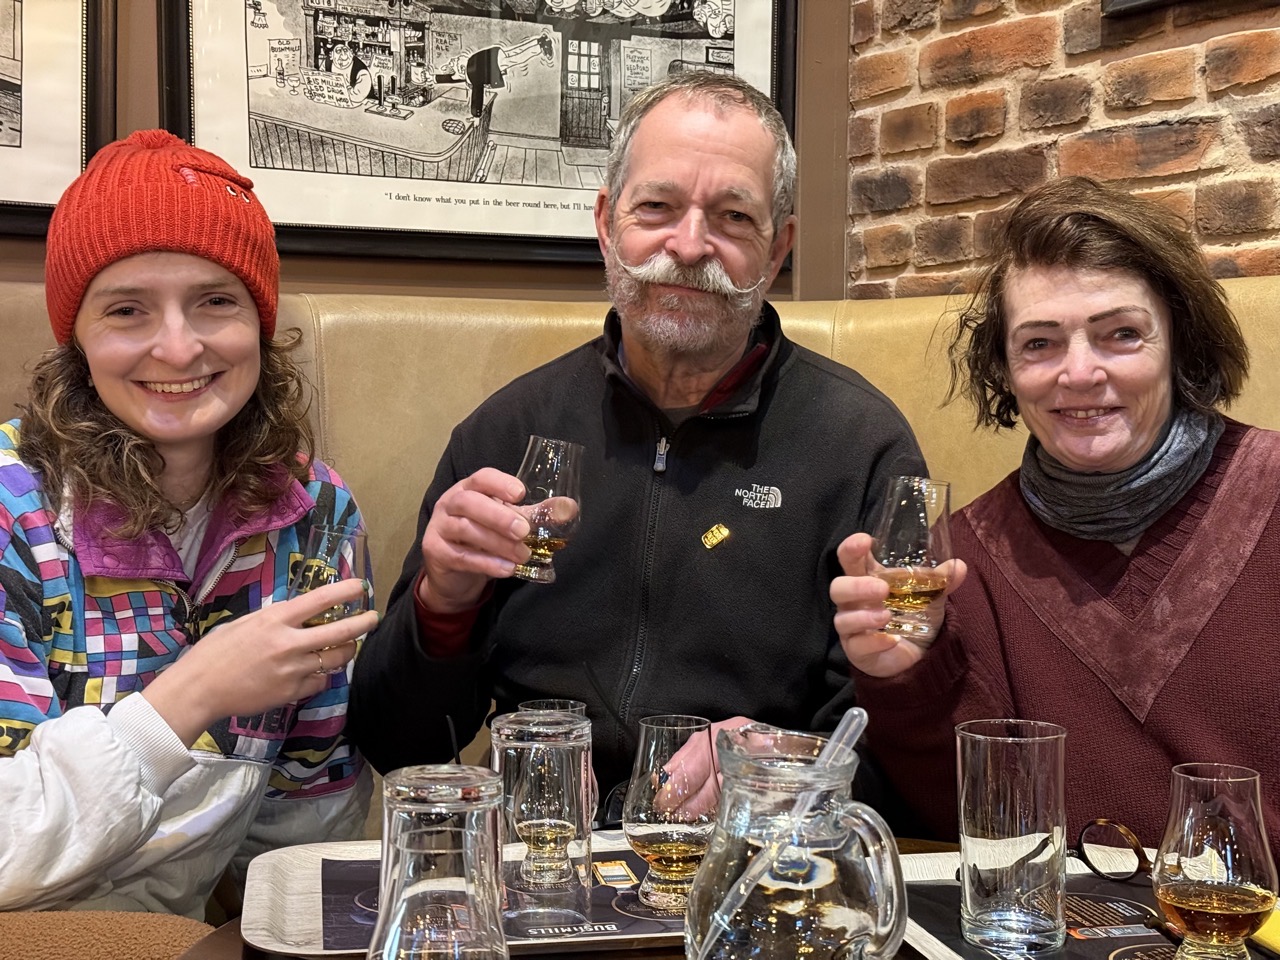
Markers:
point(725, 91)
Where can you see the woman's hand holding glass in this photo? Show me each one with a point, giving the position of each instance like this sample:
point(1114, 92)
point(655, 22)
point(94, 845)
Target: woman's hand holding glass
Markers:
point(281, 653)
point(861, 615)
point(260, 661)
point(911, 552)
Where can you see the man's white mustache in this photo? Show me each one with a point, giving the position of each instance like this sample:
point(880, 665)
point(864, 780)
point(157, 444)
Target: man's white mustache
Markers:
point(708, 276)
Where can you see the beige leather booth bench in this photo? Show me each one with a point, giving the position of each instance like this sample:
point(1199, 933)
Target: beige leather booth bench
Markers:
point(394, 374)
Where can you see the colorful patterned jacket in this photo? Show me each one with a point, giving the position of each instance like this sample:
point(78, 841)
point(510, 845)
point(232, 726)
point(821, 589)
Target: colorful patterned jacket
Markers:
point(103, 807)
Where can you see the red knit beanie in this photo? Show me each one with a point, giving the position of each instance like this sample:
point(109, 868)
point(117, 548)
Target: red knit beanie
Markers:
point(152, 191)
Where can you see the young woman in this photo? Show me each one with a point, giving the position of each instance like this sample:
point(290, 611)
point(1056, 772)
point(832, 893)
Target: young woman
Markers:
point(163, 712)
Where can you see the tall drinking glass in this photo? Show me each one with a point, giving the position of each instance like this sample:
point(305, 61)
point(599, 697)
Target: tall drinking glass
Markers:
point(439, 896)
point(575, 707)
point(1013, 825)
point(545, 762)
point(578, 709)
point(1214, 877)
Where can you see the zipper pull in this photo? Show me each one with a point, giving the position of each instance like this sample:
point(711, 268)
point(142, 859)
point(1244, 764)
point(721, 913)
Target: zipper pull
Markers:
point(660, 461)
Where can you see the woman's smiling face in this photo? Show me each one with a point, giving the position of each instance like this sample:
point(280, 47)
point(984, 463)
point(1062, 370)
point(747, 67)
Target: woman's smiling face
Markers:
point(172, 342)
point(1090, 363)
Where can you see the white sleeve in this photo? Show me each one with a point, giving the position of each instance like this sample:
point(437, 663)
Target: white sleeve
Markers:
point(85, 792)
point(283, 822)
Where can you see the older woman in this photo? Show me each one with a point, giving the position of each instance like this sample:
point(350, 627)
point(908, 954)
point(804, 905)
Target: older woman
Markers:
point(1125, 581)
point(162, 709)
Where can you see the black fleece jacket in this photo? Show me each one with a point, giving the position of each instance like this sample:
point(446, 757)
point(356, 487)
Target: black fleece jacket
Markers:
point(643, 618)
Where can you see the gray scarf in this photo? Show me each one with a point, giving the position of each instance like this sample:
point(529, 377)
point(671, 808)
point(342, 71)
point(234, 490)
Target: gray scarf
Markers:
point(1118, 507)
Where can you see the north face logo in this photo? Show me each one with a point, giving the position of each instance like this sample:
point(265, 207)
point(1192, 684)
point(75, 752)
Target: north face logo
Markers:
point(764, 498)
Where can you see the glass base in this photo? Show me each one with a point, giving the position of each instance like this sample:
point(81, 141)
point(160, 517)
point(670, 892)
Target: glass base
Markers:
point(1201, 950)
point(663, 894)
point(546, 872)
point(535, 572)
point(909, 625)
point(1010, 931)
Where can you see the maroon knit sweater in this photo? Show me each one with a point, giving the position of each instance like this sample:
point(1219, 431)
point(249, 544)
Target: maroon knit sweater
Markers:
point(1167, 656)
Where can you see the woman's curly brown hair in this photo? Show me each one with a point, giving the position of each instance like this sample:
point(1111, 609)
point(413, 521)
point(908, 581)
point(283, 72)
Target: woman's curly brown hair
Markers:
point(86, 452)
point(1078, 223)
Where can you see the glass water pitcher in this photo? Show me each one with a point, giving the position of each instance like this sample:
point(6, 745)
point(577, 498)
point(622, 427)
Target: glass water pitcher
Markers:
point(833, 888)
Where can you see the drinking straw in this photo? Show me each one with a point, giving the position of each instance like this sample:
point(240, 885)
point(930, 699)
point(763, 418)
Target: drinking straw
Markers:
point(453, 739)
point(845, 736)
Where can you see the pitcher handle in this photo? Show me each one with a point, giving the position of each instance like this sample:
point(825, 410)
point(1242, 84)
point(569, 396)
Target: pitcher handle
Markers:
point(886, 876)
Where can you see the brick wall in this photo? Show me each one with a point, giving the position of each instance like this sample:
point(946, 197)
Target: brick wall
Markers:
point(958, 106)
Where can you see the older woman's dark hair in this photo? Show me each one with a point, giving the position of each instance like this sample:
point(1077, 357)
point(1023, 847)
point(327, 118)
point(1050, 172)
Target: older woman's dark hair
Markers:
point(1078, 223)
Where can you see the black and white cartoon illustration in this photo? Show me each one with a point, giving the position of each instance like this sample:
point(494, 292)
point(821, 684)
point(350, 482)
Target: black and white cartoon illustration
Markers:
point(511, 92)
point(10, 73)
point(488, 66)
point(344, 62)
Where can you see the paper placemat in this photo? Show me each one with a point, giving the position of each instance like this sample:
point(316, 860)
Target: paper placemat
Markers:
point(1105, 921)
point(284, 913)
point(289, 893)
point(1103, 916)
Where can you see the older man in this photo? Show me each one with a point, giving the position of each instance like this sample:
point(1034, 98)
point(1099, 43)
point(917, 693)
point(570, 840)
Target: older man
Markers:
point(695, 411)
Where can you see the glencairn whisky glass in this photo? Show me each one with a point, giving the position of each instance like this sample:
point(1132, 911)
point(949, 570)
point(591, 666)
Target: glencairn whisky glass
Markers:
point(333, 554)
point(552, 478)
point(1214, 877)
point(543, 806)
point(545, 759)
point(911, 552)
point(670, 808)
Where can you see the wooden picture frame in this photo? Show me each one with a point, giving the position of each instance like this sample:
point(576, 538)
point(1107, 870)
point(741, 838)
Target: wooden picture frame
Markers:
point(360, 123)
point(57, 102)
